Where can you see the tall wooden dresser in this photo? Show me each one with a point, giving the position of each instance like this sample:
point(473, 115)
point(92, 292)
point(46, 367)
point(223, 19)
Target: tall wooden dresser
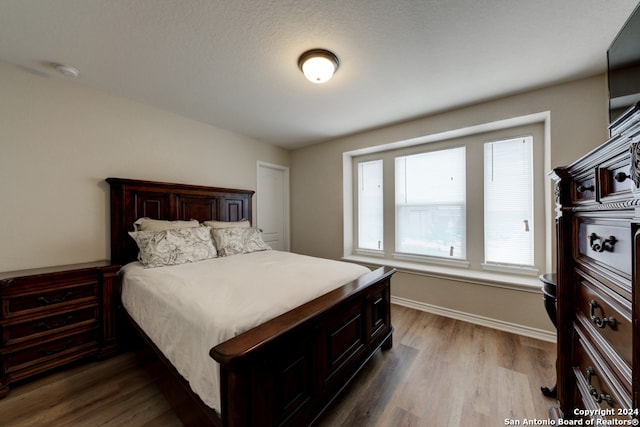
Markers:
point(598, 236)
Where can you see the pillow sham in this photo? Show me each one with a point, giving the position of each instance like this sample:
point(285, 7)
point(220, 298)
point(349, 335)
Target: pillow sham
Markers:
point(148, 224)
point(238, 240)
point(174, 246)
point(227, 224)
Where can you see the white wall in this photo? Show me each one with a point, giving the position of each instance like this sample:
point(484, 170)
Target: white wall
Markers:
point(578, 122)
point(59, 140)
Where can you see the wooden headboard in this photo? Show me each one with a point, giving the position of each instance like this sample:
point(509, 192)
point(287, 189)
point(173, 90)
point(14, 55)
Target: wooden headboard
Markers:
point(133, 199)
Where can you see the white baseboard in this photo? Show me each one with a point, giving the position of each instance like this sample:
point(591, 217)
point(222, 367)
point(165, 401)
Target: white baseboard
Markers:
point(526, 331)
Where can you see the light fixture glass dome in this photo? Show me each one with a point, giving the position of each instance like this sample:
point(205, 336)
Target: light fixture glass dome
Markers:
point(318, 65)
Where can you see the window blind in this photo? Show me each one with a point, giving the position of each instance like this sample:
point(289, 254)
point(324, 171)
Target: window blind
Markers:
point(430, 203)
point(508, 207)
point(370, 205)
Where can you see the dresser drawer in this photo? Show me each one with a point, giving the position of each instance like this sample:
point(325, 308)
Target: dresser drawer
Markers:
point(38, 327)
point(583, 189)
point(615, 181)
point(53, 352)
point(607, 242)
point(597, 387)
point(605, 314)
point(30, 302)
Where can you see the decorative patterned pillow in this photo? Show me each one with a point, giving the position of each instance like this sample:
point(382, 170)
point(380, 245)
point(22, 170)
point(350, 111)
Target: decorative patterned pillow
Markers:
point(238, 240)
point(148, 224)
point(174, 246)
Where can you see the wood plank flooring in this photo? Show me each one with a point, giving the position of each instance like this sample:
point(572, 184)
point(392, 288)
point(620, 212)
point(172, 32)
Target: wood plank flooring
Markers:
point(444, 372)
point(440, 372)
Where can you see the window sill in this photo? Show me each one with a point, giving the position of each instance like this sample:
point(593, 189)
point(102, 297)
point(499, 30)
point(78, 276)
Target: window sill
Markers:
point(485, 278)
point(510, 269)
point(419, 260)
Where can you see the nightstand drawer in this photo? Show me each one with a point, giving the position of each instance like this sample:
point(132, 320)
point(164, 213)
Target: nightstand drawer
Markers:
point(32, 302)
point(607, 242)
point(37, 327)
point(53, 351)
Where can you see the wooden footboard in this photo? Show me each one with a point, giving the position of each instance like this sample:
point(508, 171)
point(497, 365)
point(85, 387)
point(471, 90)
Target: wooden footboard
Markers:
point(288, 370)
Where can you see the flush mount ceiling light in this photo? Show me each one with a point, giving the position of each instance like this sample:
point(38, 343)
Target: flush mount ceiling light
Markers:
point(318, 65)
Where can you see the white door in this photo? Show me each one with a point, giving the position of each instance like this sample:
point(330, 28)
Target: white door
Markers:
point(272, 193)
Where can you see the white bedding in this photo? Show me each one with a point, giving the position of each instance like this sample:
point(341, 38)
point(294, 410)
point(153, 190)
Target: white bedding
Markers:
point(187, 309)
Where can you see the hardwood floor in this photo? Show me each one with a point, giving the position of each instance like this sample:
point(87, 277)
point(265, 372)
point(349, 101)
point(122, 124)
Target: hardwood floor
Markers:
point(114, 392)
point(444, 372)
point(440, 372)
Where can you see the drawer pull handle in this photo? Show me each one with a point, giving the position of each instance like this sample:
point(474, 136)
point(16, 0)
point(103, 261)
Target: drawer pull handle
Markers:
point(65, 322)
point(55, 350)
point(621, 177)
point(581, 188)
point(594, 393)
point(44, 301)
point(597, 244)
point(600, 323)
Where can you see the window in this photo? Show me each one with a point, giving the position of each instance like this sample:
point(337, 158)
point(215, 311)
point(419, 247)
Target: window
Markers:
point(370, 203)
point(430, 203)
point(508, 202)
point(474, 201)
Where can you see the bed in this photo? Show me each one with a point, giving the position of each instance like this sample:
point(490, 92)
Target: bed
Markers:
point(283, 370)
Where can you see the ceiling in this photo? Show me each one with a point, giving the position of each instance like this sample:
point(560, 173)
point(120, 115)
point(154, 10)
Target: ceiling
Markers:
point(233, 63)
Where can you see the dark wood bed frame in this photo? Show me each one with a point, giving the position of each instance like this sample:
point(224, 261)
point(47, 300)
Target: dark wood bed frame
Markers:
point(286, 371)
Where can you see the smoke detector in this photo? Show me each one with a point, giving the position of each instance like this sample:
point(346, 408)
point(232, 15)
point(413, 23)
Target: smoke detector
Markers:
point(67, 70)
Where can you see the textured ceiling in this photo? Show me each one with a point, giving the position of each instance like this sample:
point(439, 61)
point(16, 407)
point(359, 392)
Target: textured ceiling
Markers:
point(233, 64)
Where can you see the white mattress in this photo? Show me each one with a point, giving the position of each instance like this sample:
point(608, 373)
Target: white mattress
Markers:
point(188, 309)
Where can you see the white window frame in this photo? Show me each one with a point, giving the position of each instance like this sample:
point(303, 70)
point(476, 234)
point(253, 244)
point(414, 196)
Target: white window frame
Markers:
point(494, 275)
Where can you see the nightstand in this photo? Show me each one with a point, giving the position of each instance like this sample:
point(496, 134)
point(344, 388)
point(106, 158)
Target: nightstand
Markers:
point(56, 315)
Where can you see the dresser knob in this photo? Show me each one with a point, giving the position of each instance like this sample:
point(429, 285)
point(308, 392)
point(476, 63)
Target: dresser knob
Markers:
point(600, 323)
point(44, 301)
point(55, 350)
point(621, 177)
point(597, 244)
point(598, 397)
point(48, 327)
point(581, 188)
